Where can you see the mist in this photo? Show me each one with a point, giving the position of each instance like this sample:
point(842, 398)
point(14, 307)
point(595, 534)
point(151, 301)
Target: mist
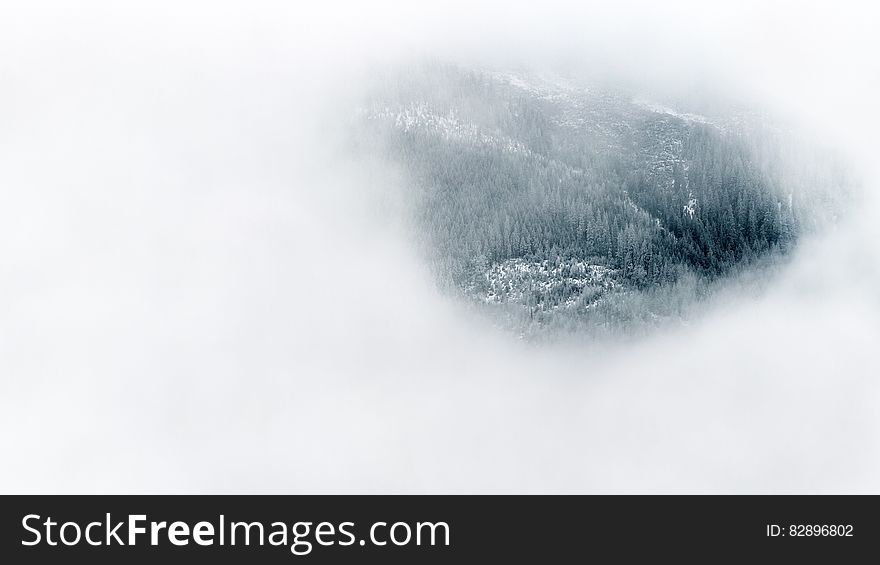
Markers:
point(202, 290)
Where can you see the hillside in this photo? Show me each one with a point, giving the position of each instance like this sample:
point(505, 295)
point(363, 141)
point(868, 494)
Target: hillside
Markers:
point(563, 204)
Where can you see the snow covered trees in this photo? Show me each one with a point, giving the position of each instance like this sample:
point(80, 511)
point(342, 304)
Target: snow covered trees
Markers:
point(505, 170)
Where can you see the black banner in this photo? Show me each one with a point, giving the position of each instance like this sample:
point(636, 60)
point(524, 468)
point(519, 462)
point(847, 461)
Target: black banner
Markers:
point(433, 529)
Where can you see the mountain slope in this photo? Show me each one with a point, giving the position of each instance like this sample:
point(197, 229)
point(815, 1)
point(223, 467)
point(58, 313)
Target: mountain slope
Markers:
point(548, 199)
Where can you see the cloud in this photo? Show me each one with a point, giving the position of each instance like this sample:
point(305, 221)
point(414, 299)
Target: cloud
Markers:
point(202, 291)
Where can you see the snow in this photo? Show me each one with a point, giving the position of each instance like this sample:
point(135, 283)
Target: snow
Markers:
point(691, 206)
point(515, 280)
point(684, 116)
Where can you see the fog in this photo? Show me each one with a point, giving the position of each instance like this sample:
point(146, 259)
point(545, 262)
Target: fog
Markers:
point(202, 290)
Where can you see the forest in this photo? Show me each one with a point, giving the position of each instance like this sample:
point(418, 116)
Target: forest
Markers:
point(562, 205)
